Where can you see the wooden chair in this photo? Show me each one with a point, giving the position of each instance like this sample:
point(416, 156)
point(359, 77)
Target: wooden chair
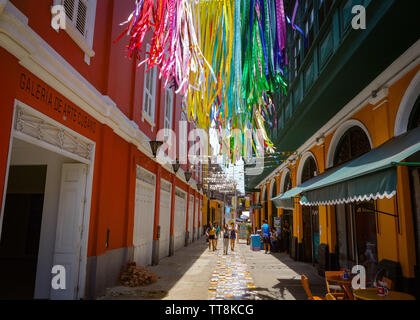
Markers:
point(334, 289)
point(389, 283)
point(305, 284)
point(330, 296)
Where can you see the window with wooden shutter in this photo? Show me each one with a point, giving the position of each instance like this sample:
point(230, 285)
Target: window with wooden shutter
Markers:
point(77, 13)
point(80, 23)
point(169, 98)
point(149, 92)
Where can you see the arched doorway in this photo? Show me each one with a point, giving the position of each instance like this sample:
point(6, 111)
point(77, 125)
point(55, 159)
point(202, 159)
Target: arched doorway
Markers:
point(287, 218)
point(310, 217)
point(355, 223)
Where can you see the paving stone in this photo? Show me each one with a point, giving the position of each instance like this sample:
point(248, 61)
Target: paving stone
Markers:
point(231, 278)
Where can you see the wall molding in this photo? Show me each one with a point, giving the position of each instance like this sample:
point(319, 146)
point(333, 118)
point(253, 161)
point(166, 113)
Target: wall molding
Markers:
point(34, 125)
point(305, 156)
point(406, 105)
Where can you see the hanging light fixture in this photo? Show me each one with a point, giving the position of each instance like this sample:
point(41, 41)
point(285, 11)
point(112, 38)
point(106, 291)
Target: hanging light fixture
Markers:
point(175, 166)
point(155, 145)
point(188, 175)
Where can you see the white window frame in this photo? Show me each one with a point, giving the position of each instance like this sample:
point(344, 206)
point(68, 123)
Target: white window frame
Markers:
point(183, 142)
point(85, 42)
point(168, 116)
point(149, 93)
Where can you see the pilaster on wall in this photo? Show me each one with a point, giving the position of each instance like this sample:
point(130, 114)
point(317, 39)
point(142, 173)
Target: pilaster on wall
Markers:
point(279, 211)
point(406, 238)
point(323, 225)
point(262, 214)
point(188, 207)
point(157, 204)
point(131, 196)
point(257, 218)
point(262, 210)
point(269, 203)
point(171, 241)
point(297, 223)
point(387, 230)
point(155, 247)
point(204, 210)
point(102, 213)
point(331, 230)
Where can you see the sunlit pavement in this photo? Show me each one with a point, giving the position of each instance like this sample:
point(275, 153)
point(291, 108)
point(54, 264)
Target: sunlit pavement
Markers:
point(278, 277)
point(195, 273)
point(184, 276)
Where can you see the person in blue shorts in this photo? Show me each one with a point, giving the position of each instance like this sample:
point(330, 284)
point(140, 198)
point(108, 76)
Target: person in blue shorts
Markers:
point(232, 236)
point(266, 236)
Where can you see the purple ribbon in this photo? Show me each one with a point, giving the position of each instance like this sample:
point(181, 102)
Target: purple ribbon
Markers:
point(294, 13)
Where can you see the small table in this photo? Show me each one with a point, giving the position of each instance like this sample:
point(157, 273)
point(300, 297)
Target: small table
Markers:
point(372, 294)
point(345, 284)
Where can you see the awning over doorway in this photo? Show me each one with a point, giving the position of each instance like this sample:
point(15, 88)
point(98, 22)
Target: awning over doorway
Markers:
point(371, 176)
point(287, 200)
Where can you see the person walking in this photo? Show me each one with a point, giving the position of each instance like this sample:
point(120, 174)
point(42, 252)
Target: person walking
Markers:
point(274, 240)
point(225, 239)
point(286, 236)
point(232, 236)
point(211, 232)
point(217, 233)
point(266, 236)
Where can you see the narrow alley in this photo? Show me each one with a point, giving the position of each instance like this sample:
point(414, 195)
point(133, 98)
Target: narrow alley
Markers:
point(132, 131)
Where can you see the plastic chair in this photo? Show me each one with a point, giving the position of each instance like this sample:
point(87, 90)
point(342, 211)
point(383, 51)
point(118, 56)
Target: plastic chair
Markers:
point(305, 284)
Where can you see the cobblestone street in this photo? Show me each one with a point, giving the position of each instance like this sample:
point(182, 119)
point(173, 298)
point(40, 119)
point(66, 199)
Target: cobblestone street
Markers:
point(195, 273)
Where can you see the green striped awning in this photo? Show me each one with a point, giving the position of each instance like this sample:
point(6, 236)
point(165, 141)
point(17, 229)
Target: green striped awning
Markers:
point(287, 200)
point(369, 177)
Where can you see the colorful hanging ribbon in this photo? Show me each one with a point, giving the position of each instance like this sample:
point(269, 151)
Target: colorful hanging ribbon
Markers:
point(224, 57)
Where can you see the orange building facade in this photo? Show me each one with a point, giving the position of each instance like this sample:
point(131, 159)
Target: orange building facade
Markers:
point(382, 233)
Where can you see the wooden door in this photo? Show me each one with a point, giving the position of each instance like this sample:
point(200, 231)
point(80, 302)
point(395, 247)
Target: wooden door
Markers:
point(67, 251)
